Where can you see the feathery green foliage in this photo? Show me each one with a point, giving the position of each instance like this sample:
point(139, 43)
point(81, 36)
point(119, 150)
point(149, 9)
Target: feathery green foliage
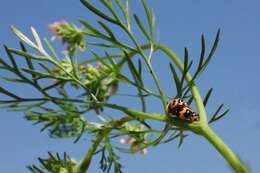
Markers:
point(71, 96)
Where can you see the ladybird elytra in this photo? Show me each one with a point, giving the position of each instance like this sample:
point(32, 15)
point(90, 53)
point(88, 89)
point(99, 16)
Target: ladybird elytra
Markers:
point(177, 108)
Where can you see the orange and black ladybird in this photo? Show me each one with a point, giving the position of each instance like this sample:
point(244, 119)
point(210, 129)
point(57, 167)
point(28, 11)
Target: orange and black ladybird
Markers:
point(177, 108)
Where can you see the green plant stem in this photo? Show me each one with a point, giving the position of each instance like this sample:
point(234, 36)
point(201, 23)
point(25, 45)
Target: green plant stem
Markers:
point(148, 63)
point(188, 77)
point(203, 129)
point(137, 114)
point(224, 150)
point(179, 64)
point(200, 128)
point(83, 166)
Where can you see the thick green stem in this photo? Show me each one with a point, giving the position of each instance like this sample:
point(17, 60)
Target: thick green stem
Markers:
point(201, 128)
point(224, 150)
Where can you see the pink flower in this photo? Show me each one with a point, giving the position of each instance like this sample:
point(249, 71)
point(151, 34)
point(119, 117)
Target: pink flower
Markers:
point(53, 27)
point(69, 34)
point(135, 147)
point(128, 141)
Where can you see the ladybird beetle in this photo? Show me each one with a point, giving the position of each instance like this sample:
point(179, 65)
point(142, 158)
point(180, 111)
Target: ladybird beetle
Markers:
point(177, 108)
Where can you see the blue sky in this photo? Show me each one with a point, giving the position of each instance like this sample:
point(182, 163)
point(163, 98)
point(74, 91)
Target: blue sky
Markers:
point(233, 74)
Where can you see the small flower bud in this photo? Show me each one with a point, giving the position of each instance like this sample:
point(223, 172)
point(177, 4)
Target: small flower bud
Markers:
point(69, 34)
point(135, 141)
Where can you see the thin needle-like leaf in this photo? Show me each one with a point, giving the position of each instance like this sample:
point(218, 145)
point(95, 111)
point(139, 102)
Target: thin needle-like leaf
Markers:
point(7, 93)
point(218, 110)
point(47, 69)
point(37, 38)
point(202, 53)
point(221, 115)
point(176, 80)
point(150, 17)
point(51, 48)
point(28, 55)
point(205, 101)
point(28, 60)
point(187, 66)
point(182, 136)
point(213, 49)
point(137, 79)
point(171, 138)
point(218, 116)
point(125, 10)
point(109, 5)
point(190, 100)
point(14, 80)
point(142, 27)
point(108, 30)
point(203, 64)
point(98, 12)
point(54, 85)
point(11, 59)
point(110, 59)
point(23, 37)
point(140, 68)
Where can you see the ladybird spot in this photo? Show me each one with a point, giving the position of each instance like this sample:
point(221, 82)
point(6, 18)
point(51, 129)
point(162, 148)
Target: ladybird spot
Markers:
point(176, 111)
point(187, 114)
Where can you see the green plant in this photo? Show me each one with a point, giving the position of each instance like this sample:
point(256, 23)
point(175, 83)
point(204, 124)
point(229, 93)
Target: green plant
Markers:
point(66, 114)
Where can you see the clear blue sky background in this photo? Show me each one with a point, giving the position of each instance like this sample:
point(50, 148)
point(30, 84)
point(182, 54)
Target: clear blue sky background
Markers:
point(233, 74)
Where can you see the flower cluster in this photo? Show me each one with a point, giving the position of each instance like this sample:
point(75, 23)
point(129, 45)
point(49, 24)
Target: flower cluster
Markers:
point(55, 163)
point(100, 80)
point(69, 34)
point(136, 139)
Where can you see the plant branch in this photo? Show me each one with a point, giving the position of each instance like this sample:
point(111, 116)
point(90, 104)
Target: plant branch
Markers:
point(83, 166)
point(194, 89)
point(233, 160)
point(201, 127)
point(195, 92)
